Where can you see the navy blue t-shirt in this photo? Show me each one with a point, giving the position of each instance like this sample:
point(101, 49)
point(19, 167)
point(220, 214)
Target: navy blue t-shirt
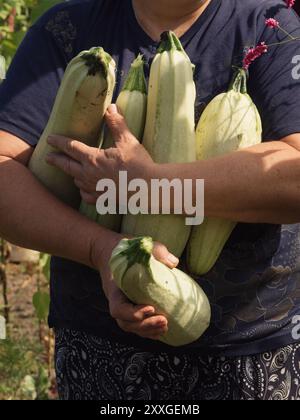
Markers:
point(254, 288)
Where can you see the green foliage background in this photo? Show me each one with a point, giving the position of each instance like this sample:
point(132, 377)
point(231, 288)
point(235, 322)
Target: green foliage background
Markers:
point(16, 16)
point(25, 372)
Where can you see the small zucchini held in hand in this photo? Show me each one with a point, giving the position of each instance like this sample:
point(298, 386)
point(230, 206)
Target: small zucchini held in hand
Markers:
point(144, 280)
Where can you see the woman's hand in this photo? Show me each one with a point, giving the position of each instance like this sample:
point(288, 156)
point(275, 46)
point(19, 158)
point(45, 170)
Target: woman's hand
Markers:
point(87, 165)
point(136, 319)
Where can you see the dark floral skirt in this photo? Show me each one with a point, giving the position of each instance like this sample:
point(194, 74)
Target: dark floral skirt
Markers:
point(93, 368)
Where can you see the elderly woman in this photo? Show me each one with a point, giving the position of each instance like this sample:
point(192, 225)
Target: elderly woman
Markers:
point(106, 347)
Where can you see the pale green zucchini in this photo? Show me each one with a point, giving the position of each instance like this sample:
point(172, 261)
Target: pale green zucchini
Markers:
point(81, 102)
point(169, 135)
point(146, 281)
point(230, 122)
point(132, 102)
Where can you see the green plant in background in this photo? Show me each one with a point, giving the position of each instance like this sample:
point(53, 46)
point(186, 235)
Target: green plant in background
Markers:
point(16, 17)
point(41, 299)
point(14, 22)
point(13, 19)
point(25, 365)
point(23, 376)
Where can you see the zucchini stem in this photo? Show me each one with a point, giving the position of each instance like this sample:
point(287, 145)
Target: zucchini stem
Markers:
point(97, 60)
point(139, 251)
point(239, 81)
point(136, 80)
point(168, 42)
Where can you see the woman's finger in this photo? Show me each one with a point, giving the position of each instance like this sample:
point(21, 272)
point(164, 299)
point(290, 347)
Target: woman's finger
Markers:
point(142, 330)
point(65, 163)
point(79, 184)
point(84, 186)
point(118, 127)
point(70, 147)
point(88, 198)
point(146, 326)
point(129, 312)
point(161, 253)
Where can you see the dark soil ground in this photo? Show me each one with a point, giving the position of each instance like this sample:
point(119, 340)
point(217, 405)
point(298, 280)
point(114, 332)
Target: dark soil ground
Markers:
point(25, 331)
point(22, 284)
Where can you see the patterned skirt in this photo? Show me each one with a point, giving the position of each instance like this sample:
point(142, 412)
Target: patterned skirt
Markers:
point(93, 368)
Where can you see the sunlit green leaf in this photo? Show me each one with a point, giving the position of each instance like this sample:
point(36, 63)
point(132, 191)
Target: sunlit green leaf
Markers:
point(42, 7)
point(41, 302)
point(44, 264)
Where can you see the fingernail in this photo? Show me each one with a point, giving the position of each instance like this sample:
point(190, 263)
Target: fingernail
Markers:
point(49, 139)
point(148, 313)
point(173, 260)
point(113, 109)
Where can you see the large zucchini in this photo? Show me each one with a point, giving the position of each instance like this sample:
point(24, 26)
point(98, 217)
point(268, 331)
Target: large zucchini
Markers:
point(230, 122)
point(169, 135)
point(132, 102)
point(81, 102)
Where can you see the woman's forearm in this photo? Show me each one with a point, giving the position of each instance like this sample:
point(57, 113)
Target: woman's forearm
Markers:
point(256, 185)
point(33, 218)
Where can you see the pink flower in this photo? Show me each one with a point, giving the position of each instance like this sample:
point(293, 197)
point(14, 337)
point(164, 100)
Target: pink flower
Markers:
point(272, 23)
point(290, 3)
point(254, 53)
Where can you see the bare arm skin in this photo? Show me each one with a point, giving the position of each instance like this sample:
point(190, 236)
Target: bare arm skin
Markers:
point(32, 217)
point(256, 185)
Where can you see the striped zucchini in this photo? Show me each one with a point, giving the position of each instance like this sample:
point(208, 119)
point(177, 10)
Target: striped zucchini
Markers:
point(132, 102)
point(81, 102)
point(169, 135)
point(230, 122)
point(146, 281)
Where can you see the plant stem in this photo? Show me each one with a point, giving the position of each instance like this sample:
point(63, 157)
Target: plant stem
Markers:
point(283, 42)
point(3, 278)
point(287, 33)
point(40, 324)
point(50, 353)
point(4, 293)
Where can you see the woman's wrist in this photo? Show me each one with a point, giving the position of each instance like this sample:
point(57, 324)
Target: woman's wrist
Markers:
point(103, 240)
point(101, 246)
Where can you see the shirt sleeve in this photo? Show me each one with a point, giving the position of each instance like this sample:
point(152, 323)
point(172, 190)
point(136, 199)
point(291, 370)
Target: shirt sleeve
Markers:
point(274, 78)
point(29, 90)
